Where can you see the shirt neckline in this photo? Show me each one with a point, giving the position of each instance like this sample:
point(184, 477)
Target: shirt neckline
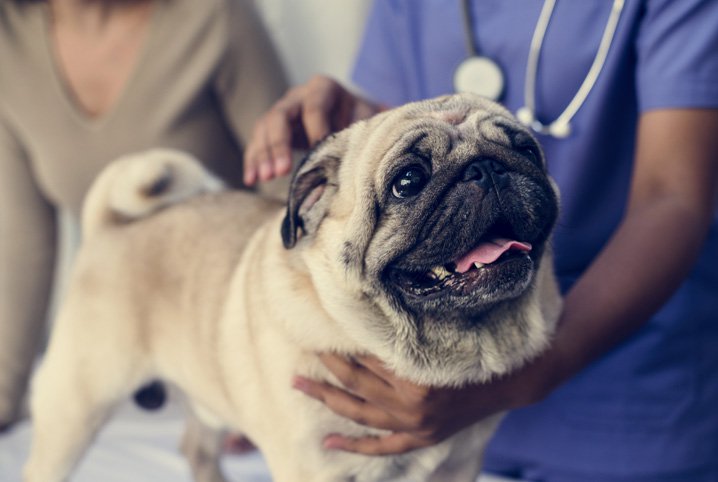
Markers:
point(65, 92)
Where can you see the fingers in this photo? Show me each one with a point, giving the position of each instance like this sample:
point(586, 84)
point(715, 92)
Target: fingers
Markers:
point(392, 444)
point(301, 118)
point(377, 367)
point(268, 153)
point(278, 142)
point(370, 379)
point(322, 100)
point(369, 399)
point(255, 155)
point(417, 415)
point(356, 377)
point(372, 396)
point(345, 404)
point(408, 405)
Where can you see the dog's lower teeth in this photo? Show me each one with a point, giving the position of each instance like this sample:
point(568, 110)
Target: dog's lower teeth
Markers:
point(478, 265)
point(440, 272)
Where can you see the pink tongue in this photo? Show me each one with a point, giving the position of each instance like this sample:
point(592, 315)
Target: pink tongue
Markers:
point(489, 251)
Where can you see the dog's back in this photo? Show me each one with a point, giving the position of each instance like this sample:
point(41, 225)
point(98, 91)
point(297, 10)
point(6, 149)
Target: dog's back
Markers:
point(161, 237)
point(143, 220)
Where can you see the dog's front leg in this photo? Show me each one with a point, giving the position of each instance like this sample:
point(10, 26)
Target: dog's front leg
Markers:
point(202, 445)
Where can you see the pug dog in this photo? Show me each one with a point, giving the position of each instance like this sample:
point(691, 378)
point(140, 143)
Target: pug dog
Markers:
point(419, 236)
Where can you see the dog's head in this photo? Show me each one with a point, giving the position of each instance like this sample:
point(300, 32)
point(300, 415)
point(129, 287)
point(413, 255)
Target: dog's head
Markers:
point(433, 220)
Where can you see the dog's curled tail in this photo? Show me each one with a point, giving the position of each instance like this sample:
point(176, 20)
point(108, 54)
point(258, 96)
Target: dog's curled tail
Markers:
point(137, 185)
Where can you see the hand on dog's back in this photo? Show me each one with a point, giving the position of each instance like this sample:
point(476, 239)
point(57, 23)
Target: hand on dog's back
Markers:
point(304, 116)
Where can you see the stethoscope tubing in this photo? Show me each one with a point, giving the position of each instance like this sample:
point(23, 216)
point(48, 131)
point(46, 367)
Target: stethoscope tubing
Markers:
point(560, 127)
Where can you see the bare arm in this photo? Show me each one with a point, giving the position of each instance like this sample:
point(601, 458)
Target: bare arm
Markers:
point(671, 204)
point(672, 200)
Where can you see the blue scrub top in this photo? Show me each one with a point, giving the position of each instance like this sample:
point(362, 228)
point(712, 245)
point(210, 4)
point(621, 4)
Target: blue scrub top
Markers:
point(650, 407)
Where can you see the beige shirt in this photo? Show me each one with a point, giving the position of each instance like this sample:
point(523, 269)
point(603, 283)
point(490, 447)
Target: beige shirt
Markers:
point(206, 72)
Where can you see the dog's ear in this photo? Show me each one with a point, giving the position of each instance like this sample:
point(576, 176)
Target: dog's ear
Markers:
point(313, 185)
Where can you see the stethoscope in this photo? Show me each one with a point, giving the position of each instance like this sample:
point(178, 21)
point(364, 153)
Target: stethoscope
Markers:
point(482, 75)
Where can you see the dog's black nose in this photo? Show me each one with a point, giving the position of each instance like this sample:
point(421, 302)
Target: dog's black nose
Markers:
point(486, 172)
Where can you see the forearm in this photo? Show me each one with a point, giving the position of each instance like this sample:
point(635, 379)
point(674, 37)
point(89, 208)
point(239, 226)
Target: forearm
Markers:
point(670, 210)
point(636, 273)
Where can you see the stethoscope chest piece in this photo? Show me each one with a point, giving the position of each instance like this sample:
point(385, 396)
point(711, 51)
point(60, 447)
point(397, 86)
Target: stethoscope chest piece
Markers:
point(479, 75)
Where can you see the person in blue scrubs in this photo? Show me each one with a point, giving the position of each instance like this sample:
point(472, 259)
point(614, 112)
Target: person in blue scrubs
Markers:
point(629, 390)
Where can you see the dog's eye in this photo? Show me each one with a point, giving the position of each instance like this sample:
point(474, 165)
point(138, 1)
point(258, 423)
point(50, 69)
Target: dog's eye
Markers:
point(409, 182)
point(532, 154)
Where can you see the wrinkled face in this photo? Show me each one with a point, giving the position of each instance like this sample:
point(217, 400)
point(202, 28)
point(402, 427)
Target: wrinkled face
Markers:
point(438, 214)
point(465, 207)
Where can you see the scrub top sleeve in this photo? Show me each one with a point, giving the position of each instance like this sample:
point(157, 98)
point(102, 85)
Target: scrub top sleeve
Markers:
point(379, 70)
point(677, 49)
point(27, 253)
point(250, 77)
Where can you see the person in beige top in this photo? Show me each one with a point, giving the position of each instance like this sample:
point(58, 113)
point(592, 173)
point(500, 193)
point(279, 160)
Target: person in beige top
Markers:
point(85, 81)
